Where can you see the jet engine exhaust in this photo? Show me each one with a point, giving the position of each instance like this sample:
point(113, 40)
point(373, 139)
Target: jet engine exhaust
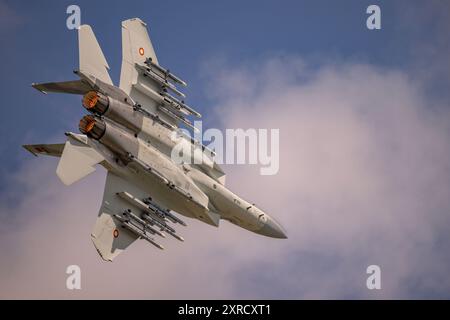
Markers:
point(100, 104)
point(108, 134)
point(95, 102)
point(92, 127)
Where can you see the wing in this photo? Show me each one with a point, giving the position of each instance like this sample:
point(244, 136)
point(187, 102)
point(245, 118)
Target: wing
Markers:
point(108, 237)
point(54, 150)
point(127, 213)
point(147, 83)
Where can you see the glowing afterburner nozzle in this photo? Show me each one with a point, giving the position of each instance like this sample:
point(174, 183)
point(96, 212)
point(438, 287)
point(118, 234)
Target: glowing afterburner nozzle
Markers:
point(95, 102)
point(92, 127)
point(90, 99)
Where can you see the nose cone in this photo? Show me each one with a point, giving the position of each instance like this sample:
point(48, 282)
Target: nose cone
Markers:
point(272, 229)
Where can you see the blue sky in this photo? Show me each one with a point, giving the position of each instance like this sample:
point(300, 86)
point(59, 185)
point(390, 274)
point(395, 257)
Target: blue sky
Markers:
point(383, 175)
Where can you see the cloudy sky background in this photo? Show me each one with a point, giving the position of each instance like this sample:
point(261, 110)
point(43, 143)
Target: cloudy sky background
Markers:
point(364, 155)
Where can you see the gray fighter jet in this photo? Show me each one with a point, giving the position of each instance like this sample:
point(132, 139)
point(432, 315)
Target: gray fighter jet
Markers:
point(130, 132)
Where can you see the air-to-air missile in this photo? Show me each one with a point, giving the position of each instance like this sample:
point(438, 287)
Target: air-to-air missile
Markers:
point(127, 223)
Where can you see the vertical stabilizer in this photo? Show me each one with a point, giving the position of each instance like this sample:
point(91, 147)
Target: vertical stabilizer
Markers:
point(92, 60)
point(136, 48)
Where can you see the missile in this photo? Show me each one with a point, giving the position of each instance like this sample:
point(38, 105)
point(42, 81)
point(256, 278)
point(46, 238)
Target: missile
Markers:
point(148, 72)
point(172, 100)
point(170, 216)
point(154, 220)
point(167, 106)
point(173, 234)
point(178, 117)
point(175, 220)
point(139, 108)
point(126, 223)
point(175, 107)
point(150, 220)
point(164, 83)
point(154, 214)
point(142, 206)
point(155, 208)
point(151, 208)
point(149, 62)
point(163, 226)
point(145, 225)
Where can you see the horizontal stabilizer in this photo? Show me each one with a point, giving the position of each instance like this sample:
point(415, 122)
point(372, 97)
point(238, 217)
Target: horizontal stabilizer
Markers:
point(54, 150)
point(73, 87)
point(77, 161)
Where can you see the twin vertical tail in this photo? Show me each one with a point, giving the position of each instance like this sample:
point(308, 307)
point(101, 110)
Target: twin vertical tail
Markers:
point(92, 59)
point(136, 48)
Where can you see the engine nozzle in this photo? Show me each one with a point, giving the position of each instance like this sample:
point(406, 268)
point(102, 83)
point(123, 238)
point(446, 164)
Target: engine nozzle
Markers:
point(96, 102)
point(92, 127)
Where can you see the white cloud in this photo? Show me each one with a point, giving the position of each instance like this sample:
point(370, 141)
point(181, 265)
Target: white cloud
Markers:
point(363, 175)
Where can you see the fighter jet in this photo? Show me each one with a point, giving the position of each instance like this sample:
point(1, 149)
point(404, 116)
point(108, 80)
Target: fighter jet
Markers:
point(129, 130)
